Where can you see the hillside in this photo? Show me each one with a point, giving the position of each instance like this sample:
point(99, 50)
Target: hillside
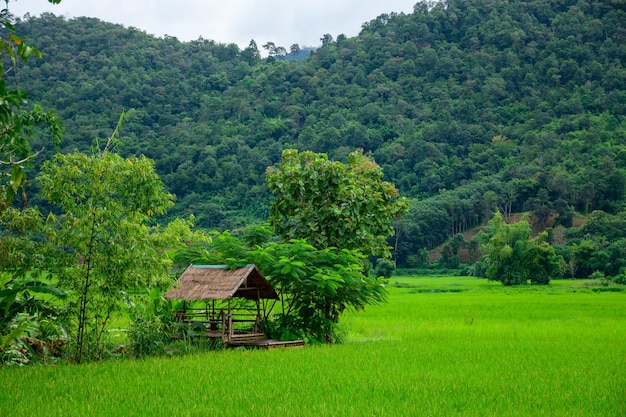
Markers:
point(435, 254)
point(468, 105)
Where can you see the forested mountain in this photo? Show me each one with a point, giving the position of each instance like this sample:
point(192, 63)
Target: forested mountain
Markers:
point(468, 105)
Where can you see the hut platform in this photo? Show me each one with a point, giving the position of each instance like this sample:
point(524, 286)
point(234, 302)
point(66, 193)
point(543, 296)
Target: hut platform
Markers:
point(264, 343)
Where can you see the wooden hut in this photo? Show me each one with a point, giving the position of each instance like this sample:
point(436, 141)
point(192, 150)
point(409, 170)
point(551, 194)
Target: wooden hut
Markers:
point(218, 286)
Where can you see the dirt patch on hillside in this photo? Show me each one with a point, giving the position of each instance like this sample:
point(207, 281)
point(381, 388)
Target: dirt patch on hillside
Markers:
point(435, 254)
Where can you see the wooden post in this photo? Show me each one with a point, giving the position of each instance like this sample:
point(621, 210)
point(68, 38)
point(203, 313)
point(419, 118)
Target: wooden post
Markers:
point(258, 312)
point(230, 323)
point(224, 326)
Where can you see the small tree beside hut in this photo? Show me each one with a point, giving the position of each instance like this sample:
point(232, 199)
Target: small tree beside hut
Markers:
point(314, 286)
point(330, 217)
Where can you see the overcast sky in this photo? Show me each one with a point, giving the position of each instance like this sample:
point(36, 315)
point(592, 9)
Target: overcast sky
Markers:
point(283, 22)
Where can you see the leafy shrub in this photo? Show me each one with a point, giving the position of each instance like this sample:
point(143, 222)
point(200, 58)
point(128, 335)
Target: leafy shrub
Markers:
point(514, 258)
point(283, 327)
point(148, 336)
point(152, 326)
point(385, 268)
point(30, 329)
point(596, 275)
point(607, 289)
point(619, 279)
point(479, 268)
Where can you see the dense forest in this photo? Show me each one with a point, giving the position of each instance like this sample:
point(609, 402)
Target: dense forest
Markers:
point(469, 106)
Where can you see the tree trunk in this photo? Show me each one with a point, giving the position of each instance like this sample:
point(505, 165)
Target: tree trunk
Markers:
point(82, 316)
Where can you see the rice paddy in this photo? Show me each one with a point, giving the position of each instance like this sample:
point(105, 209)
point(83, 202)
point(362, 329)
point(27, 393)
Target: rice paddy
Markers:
point(453, 346)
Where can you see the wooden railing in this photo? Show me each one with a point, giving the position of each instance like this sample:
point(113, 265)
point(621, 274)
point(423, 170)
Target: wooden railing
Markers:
point(224, 323)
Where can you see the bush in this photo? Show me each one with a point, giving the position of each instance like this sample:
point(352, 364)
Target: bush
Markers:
point(479, 268)
point(514, 258)
point(148, 336)
point(152, 326)
point(596, 275)
point(385, 268)
point(283, 327)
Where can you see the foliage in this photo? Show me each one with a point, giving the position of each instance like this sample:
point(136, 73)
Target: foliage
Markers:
point(15, 297)
point(315, 286)
point(619, 279)
point(454, 100)
point(332, 204)
point(176, 235)
point(384, 268)
point(455, 248)
point(155, 331)
point(468, 107)
point(328, 213)
point(102, 241)
point(597, 275)
point(153, 325)
point(479, 268)
point(221, 249)
point(29, 326)
point(602, 225)
point(599, 245)
point(514, 258)
point(20, 250)
point(16, 124)
point(24, 317)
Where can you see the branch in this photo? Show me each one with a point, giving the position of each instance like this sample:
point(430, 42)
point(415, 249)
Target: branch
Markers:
point(26, 159)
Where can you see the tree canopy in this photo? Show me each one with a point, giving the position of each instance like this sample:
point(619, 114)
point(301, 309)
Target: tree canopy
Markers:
point(315, 285)
point(102, 243)
point(331, 204)
point(521, 98)
point(514, 258)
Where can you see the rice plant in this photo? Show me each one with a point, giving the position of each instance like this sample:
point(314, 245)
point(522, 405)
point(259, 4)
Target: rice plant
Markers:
point(482, 351)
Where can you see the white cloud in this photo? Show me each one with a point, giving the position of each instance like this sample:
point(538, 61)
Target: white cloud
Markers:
point(281, 21)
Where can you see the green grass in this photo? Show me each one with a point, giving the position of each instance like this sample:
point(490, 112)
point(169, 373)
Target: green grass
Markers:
point(484, 350)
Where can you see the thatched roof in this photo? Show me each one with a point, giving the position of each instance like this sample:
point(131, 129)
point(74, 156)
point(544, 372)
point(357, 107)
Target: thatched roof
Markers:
point(216, 282)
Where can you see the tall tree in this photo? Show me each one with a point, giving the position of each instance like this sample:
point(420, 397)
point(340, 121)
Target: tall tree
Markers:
point(331, 204)
point(275, 51)
point(327, 39)
point(103, 243)
point(294, 49)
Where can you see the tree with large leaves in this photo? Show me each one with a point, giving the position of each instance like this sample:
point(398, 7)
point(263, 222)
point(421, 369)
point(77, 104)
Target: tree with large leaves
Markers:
point(26, 318)
point(332, 216)
point(103, 243)
point(332, 204)
point(315, 285)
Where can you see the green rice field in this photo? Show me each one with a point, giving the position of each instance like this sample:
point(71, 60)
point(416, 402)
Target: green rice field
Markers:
point(453, 346)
